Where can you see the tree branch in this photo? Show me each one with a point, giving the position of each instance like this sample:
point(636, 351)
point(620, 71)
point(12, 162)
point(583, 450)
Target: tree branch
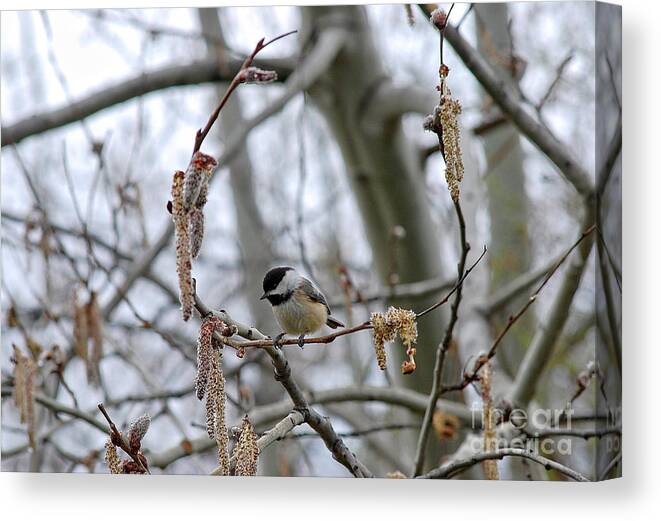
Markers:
point(283, 374)
point(195, 73)
point(540, 348)
point(279, 430)
point(510, 102)
point(449, 470)
point(236, 81)
point(536, 354)
point(265, 414)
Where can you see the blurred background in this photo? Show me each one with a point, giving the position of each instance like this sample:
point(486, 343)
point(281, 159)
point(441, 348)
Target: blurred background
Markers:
point(328, 170)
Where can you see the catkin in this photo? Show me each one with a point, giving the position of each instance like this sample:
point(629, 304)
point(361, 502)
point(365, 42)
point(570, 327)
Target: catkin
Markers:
point(182, 245)
point(385, 328)
point(215, 408)
point(80, 329)
point(381, 334)
point(24, 380)
point(246, 450)
point(196, 177)
point(196, 231)
point(490, 466)
point(112, 459)
point(95, 332)
point(454, 164)
point(205, 349)
point(137, 431)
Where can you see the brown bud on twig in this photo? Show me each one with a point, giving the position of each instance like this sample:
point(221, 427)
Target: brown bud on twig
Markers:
point(137, 431)
point(257, 75)
point(438, 18)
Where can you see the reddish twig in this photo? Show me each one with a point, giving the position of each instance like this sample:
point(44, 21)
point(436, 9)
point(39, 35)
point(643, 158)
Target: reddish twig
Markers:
point(327, 339)
point(236, 81)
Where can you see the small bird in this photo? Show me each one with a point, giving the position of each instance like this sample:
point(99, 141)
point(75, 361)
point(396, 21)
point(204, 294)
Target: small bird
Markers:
point(299, 307)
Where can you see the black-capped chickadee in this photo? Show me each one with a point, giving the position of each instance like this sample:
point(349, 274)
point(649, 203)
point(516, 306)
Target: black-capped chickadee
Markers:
point(299, 307)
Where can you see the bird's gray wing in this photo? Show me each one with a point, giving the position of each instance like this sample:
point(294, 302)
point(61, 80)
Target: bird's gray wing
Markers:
point(311, 291)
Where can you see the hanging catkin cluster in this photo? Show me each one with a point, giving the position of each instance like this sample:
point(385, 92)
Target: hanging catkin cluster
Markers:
point(454, 164)
point(205, 348)
point(444, 122)
point(189, 195)
point(385, 328)
point(246, 451)
point(211, 381)
point(25, 372)
point(215, 406)
point(112, 459)
point(489, 423)
point(182, 245)
point(88, 327)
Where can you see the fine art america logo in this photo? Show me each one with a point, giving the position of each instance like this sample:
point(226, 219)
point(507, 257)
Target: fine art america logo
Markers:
point(544, 431)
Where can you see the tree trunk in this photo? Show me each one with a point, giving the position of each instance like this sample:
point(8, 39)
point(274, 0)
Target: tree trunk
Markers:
point(507, 202)
point(384, 172)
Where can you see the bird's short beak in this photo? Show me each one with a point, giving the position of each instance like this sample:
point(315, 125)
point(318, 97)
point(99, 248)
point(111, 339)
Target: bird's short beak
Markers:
point(262, 297)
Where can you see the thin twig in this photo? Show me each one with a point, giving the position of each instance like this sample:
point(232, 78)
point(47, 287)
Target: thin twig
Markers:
point(118, 440)
point(236, 81)
point(442, 350)
point(473, 376)
point(283, 374)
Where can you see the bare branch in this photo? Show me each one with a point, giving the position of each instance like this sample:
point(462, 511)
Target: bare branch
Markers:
point(504, 94)
point(539, 351)
point(283, 374)
point(535, 355)
point(195, 73)
point(451, 469)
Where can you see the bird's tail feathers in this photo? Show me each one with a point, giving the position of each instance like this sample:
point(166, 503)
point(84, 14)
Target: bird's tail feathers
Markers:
point(333, 323)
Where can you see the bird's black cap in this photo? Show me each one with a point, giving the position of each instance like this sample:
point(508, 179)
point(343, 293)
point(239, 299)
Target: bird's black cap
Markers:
point(273, 277)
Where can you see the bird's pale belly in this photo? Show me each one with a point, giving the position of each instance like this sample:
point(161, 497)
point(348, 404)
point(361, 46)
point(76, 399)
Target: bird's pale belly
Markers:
point(299, 319)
